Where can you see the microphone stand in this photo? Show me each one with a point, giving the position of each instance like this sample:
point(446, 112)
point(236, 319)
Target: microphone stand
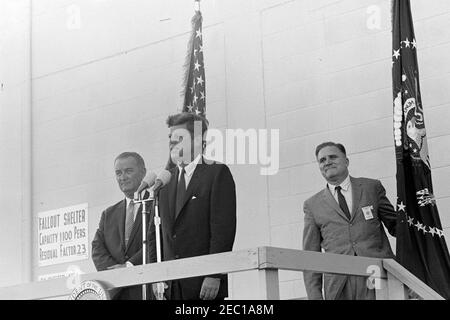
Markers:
point(145, 212)
point(157, 222)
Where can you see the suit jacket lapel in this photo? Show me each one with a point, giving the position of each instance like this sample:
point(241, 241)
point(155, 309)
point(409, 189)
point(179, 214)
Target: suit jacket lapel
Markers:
point(192, 185)
point(329, 199)
point(121, 212)
point(136, 226)
point(356, 194)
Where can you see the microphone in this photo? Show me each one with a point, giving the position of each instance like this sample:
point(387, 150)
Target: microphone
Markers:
point(147, 182)
point(162, 179)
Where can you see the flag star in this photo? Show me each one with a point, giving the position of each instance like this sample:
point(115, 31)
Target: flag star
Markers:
point(419, 226)
point(424, 229)
point(401, 206)
point(197, 66)
point(415, 150)
point(432, 231)
point(396, 54)
point(414, 43)
point(196, 74)
point(439, 232)
point(407, 43)
point(410, 221)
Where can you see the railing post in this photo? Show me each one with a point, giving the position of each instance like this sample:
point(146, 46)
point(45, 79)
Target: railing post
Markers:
point(269, 286)
point(382, 293)
point(396, 289)
point(391, 289)
point(258, 284)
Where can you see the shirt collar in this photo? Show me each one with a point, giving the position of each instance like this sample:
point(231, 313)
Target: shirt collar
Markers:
point(345, 185)
point(128, 202)
point(190, 168)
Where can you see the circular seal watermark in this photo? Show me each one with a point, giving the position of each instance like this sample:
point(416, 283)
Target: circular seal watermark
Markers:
point(73, 276)
point(90, 290)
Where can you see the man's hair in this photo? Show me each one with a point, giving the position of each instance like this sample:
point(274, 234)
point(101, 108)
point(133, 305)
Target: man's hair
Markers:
point(330, 144)
point(189, 119)
point(135, 155)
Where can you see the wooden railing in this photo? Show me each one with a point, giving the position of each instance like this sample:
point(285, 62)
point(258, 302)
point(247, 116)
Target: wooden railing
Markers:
point(262, 265)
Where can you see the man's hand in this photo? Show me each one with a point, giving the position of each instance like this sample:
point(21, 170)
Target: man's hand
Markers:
point(117, 266)
point(210, 288)
point(159, 296)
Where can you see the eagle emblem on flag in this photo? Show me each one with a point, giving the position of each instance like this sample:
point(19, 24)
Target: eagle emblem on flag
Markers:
point(416, 135)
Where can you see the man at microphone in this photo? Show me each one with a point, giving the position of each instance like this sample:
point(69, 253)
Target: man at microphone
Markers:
point(197, 209)
point(118, 240)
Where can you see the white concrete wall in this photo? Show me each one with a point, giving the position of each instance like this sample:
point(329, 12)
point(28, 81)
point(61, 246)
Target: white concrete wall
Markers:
point(107, 73)
point(15, 142)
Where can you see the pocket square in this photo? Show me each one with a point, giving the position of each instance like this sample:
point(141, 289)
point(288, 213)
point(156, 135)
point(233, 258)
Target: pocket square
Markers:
point(193, 198)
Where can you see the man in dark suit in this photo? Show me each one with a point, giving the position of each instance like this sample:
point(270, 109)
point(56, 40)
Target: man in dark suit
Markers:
point(197, 209)
point(346, 217)
point(118, 240)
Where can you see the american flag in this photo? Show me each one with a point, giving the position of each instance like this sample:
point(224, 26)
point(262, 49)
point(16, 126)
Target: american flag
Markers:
point(194, 89)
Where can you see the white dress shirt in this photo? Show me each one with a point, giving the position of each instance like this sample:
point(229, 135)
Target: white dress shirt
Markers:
point(346, 190)
point(189, 170)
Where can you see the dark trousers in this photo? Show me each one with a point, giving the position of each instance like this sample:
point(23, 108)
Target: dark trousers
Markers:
point(356, 288)
point(175, 290)
point(177, 294)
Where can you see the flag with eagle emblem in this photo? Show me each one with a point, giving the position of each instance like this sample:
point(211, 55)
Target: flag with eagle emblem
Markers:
point(421, 246)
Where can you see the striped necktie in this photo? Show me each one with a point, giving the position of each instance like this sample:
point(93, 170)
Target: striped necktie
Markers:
point(129, 221)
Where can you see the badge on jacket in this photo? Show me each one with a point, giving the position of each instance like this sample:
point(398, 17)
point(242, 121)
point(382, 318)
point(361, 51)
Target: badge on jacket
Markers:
point(367, 211)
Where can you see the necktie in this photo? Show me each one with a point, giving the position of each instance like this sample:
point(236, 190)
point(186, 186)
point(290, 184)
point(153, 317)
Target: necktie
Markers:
point(129, 221)
point(181, 190)
point(342, 202)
